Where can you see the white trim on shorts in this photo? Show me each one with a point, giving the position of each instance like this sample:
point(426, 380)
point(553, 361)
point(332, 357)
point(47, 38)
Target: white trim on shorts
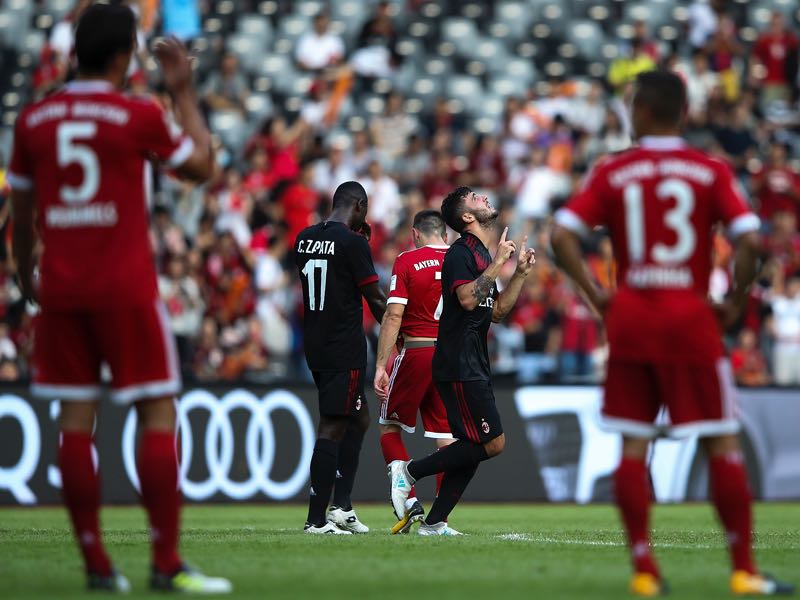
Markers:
point(403, 426)
point(629, 427)
point(706, 428)
point(66, 391)
point(155, 389)
point(439, 436)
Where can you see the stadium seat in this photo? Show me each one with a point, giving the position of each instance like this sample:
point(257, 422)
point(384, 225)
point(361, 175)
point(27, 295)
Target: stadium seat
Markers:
point(653, 12)
point(461, 32)
point(586, 36)
point(229, 126)
point(257, 26)
point(291, 27)
point(259, 106)
point(248, 48)
point(506, 86)
point(467, 90)
point(279, 69)
point(57, 8)
point(516, 16)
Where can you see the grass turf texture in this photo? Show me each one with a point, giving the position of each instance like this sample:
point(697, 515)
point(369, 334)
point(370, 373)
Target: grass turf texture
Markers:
point(512, 551)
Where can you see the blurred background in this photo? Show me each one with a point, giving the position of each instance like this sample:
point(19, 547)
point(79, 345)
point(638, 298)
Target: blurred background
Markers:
point(412, 98)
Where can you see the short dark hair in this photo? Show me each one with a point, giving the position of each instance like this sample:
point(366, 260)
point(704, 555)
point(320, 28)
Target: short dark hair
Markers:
point(349, 194)
point(104, 31)
point(664, 93)
point(453, 208)
point(429, 222)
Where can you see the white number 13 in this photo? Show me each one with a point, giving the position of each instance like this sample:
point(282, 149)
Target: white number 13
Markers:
point(678, 219)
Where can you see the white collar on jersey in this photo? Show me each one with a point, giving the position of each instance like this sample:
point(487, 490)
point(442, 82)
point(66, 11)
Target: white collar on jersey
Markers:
point(437, 247)
point(662, 142)
point(88, 86)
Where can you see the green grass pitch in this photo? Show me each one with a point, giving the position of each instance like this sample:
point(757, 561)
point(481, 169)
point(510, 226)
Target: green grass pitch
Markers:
point(512, 551)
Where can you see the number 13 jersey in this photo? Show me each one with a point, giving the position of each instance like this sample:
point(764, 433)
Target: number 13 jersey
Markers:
point(334, 263)
point(660, 203)
point(83, 151)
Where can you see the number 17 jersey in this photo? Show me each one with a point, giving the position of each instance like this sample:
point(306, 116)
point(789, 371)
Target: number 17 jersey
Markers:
point(660, 203)
point(334, 263)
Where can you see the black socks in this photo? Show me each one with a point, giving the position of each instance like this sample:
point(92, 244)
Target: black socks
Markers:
point(323, 476)
point(457, 456)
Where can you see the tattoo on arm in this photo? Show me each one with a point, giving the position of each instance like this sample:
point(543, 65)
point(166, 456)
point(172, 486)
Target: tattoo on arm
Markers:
point(482, 289)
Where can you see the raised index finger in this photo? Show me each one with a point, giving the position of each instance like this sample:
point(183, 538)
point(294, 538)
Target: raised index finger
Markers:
point(503, 237)
point(522, 244)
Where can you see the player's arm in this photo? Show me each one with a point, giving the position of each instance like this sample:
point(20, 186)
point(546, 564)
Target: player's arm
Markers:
point(508, 297)
point(472, 293)
point(567, 249)
point(23, 209)
point(376, 299)
point(390, 328)
point(176, 68)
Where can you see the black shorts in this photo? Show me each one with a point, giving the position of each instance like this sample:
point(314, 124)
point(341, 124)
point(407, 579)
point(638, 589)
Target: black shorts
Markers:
point(471, 410)
point(341, 393)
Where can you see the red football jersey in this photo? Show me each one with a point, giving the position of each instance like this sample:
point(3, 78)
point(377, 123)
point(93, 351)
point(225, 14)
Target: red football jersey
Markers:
point(417, 283)
point(660, 202)
point(84, 151)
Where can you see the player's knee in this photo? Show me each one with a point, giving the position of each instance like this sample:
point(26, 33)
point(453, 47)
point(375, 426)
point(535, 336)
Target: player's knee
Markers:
point(332, 428)
point(495, 446)
point(77, 416)
point(722, 445)
point(157, 413)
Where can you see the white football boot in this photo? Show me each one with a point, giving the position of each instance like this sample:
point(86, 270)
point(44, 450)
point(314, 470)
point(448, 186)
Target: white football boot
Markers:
point(440, 528)
point(399, 487)
point(346, 520)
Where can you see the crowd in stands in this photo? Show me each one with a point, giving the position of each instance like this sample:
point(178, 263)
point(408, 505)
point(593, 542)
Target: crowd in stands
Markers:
point(224, 251)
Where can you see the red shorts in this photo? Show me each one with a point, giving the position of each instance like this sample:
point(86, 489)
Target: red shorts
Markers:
point(411, 389)
point(700, 399)
point(136, 343)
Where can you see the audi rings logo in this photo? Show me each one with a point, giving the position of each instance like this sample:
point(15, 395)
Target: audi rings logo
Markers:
point(218, 444)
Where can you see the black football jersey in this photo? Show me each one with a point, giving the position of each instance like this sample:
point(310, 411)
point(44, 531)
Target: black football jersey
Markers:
point(334, 262)
point(461, 350)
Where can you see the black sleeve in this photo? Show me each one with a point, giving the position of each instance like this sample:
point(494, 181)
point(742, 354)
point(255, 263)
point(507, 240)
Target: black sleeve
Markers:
point(459, 268)
point(359, 259)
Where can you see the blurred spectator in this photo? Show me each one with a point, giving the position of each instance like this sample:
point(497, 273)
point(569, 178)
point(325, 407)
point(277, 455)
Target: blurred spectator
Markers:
point(274, 301)
point(650, 47)
point(736, 138)
point(486, 163)
point(318, 48)
point(413, 164)
point(539, 323)
point(538, 184)
point(775, 52)
point(375, 54)
point(776, 185)
point(700, 83)
point(362, 153)
point(624, 69)
point(783, 241)
point(392, 130)
point(332, 171)
point(579, 337)
point(235, 206)
point(282, 145)
point(588, 113)
point(438, 181)
point(62, 36)
point(227, 89)
point(378, 29)
point(702, 22)
point(749, 365)
point(385, 204)
point(300, 202)
point(208, 356)
point(227, 273)
point(184, 303)
point(784, 327)
point(245, 351)
point(723, 49)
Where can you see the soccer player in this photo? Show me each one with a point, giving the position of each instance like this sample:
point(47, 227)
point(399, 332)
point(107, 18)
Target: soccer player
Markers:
point(77, 176)
point(336, 270)
point(470, 302)
point(413, 310)
point(661, 202)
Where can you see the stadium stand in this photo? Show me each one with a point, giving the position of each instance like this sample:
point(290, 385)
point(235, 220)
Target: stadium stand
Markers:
point(515, 97)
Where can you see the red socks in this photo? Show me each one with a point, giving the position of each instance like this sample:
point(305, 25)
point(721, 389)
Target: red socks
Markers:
point(158, 478)
point(730, 493)
point(81, 491)
point(633, 499)
point(393, 449)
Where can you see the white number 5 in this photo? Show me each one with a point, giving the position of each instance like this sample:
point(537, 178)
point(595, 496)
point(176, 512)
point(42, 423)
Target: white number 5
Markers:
point(70, 152)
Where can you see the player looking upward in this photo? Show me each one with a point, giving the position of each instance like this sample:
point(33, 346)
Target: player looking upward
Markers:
point(336, 270)
point(77, 175)
point(470, 303)
point(413, 310)
point(661, 202)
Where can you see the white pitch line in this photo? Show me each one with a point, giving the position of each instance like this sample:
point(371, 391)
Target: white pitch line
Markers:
point(538, 539)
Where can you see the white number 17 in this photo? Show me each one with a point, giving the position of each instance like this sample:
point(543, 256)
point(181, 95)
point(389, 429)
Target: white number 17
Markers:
point(308, 271)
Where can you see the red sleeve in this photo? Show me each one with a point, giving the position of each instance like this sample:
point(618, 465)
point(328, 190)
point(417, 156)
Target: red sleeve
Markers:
point(398, 285)
point(588, 208)
point(157, 136)
point(759, 49)
point(20, 171)
point(730, 205)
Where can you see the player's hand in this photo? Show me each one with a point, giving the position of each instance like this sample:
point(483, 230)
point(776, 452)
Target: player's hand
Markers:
point(176, 64)
point(381, 383)
point(526, 259)
point(365, 230)
point(505, 248)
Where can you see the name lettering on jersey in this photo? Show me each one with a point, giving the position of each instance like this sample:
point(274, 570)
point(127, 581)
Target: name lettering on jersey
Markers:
point(393, 283)
point(96, 111)
point(426, 264)
point(652, 277)
point(99, 111)
point(316, 247)
point(672, 167)
point(89, 215)
point(48, 112)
